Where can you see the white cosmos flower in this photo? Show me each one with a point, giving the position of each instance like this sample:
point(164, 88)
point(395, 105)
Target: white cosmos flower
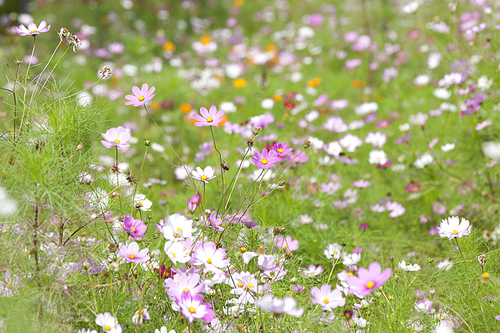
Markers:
point(408, 267)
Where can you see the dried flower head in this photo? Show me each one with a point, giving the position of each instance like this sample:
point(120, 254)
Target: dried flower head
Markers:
point(75, 42)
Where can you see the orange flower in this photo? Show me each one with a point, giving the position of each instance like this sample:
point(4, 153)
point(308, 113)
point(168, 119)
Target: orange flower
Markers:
point(205, 40)
point(240, 83)
point(238, 3)
point(186, 107)
point(277, 98)
point(357, 83)
point(169, 47)
point(314, 82)
point(155, 106)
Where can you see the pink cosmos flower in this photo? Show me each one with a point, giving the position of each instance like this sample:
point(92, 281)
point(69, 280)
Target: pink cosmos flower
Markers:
point(135, 228)
point(452, 227)
point(312, 271)
point(116, 136)
point(204, 175)
point(32, 29)
point(286, 243)
point(327, 298)
point(209, 118)
point(140, 96)
point(361, 183)
point(265, 160)
point(368, 279)
point(483, 124)
point(207, 254)
point(352, 63)
point(131, 253)
point(182, 282)
point(192, 307)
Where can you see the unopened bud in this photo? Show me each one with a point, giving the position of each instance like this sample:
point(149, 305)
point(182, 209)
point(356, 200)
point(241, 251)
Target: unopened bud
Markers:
point(282, 182)
point(236, 315)
point(250, 142)
point(112, 247)
point(260, 250)
point(307, 144)
point(224, 165)
point(243, 250)
point(430, 260)
point(147, 143)
point(288, 255)
point(85, 265)
point(256, 131)
point(79, 147)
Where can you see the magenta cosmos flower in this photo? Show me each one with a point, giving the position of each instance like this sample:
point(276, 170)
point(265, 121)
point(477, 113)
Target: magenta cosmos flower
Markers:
point(326, 297)
point(282, 150)
point(265, 160)
point(140, 96)
point(32, 29)
point(135, 228)
point(116, 136)
point(208, 255)
point(452, 227)
point(209, 118)
point(131, 253)
point(368, 279)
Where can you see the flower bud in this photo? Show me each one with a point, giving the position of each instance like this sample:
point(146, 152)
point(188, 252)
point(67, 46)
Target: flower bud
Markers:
point(243, 250)
point(307, 144)
point(112, 247)
point(256, 131)
point(282, 182)
point(85, 265)
point(260, 250)
point(147, 143)
point(224, 165)
point(288, 255)
point(250, 142)
point(79, 147)
point(430, 260)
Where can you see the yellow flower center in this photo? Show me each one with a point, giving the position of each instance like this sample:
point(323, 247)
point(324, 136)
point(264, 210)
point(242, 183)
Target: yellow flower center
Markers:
point(455, 232)
point(10, 285)
point(250, 285)
point(209, 260)
point(177, 235)
point(141, 98)
point(204, 177)
point(132, 228)
point(264, 161)
point(240, 284)
point(370, 285)
point(107, 327)
point(205, 40)
point(326, 301)
point(139, 204)
point(185, 289)
point(175, 256)
point(209, 119)
point(32, 31)
point(192, 310)
point(280, 150)
point(116, 140)
point(132, 256)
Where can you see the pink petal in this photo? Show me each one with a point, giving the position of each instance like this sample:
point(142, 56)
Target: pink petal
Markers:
point(204, 112)
point(144, 89)
point(136, 91)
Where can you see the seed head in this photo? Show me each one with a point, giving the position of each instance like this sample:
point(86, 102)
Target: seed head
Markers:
point(482, 259)
point(64, 33)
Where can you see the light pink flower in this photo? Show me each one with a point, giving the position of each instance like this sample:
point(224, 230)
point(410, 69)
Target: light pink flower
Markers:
point(209, 118)
point(116, 136)
point(32, 29)
point(452, 227)
point(131, 253)
point(327, 298)
point(204, 175)
point(368, 279)
point(208, 255)
point(140, 96)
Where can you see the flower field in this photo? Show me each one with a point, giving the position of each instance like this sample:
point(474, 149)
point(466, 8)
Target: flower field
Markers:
point(249, 166)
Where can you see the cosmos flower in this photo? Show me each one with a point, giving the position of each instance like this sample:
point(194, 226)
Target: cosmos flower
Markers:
point(135, 228)
point(286, 306)
point(265, 160)
point(131, 253)
point(452, 227)
point(140, 96)
point(407, 267)
point(32, 29)
point(208, 255)
point(204, 175)
point(368, 279)
point(108, 323)
point(209, 118)
point(192, 307)
point(116, 137)
point(327, 298)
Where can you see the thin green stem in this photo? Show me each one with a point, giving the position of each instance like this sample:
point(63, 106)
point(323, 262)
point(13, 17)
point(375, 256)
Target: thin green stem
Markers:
point(29, 65)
